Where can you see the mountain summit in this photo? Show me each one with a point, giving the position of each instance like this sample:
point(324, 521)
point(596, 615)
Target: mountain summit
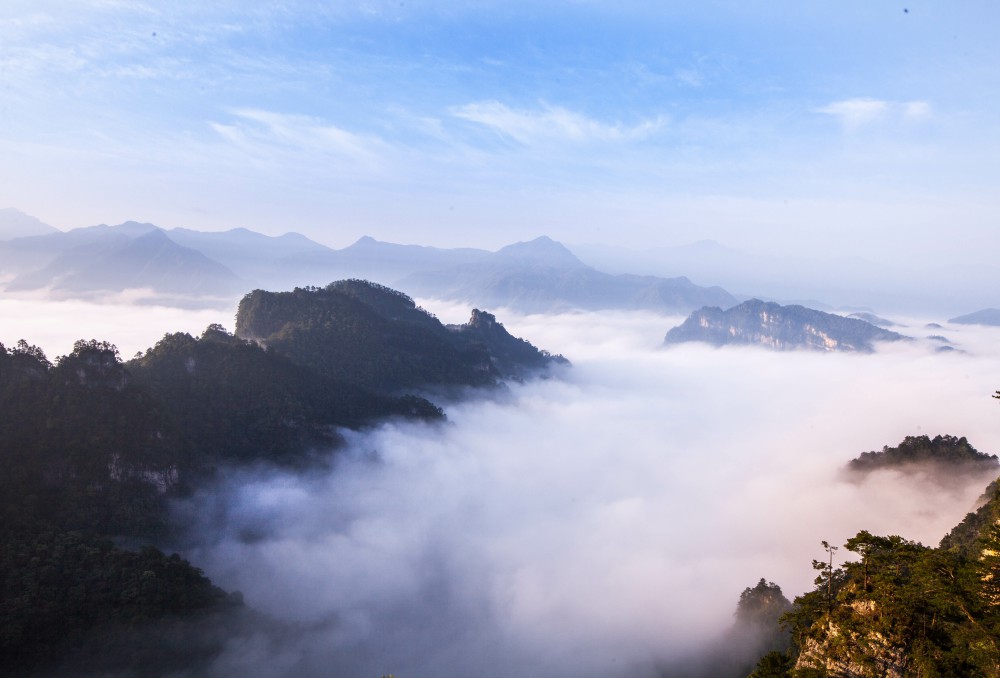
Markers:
point(16, 224)
point(542, 251)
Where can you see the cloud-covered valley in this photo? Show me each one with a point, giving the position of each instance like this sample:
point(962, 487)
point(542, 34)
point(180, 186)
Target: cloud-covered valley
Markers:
point(600, 523)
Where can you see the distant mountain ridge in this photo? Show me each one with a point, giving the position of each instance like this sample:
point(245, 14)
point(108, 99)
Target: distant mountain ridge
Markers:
point(178, 263)
point(987, 316)
point(773, 326)
point(151, 260)
point(855, 282)
point(17, 224)
point(540, 275)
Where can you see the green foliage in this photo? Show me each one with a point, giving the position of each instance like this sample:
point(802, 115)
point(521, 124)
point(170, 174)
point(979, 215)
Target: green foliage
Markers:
point(55, 585)
point(81, 445)
point(763, 604)
point(85, 451)
point(964, 537)
point(774, 664)
point(902, 607)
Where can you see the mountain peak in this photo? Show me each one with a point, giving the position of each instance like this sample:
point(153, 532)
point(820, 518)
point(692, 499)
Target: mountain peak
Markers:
point(16, 224)
point(135, 228)
point(543, 250)
point(987, 316)
point(365, 243)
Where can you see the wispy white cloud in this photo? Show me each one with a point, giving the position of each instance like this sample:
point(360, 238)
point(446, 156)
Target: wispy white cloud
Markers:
point(552, 123)
point(861, 112)
point(300, 133)
point(855, 113)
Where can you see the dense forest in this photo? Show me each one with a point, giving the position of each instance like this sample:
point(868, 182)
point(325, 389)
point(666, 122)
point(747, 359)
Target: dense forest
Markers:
point(93, 448)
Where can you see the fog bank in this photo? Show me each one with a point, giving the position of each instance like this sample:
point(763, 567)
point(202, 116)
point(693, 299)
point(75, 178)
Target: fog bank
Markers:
point(55, 325)
point(599, 524)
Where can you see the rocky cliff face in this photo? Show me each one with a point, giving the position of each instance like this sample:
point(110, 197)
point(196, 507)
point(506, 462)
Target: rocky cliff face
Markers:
point(512, 357)
point(779, 327)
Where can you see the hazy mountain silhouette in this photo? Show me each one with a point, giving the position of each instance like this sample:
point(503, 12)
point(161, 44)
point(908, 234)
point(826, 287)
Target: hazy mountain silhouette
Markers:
point(543, 275)
point(371, 259)
point(842, 282)
point(116, 263)
point(536, 276)
point(143, 255)
point(17, 224)
point(779, 327)
point(987, 316)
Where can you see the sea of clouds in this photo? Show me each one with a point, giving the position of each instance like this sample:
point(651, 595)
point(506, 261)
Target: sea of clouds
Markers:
point(601, 522)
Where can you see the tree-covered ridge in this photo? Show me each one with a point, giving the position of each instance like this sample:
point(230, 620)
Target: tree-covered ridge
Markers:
point(82, 446)
point(944, 451)
point(898, 608)
point(93, 448)
point(377, 338)
point(755, 632)
point(964, 537)
point(86, 452)
point(234, 401)
point(65, 592)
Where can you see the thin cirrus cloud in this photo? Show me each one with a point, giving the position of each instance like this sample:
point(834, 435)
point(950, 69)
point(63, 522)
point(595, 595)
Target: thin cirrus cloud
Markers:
point(552, 123)
point(855, 114)
point(267, 131)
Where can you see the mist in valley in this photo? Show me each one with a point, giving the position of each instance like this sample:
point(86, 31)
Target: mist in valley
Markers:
point(602, 522)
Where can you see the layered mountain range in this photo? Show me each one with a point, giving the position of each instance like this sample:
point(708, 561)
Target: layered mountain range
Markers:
point(185, 267)
point(181, 265)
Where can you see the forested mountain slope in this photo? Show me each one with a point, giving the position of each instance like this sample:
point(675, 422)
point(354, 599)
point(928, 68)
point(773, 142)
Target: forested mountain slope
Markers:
point(93, 449)
point(898, 608)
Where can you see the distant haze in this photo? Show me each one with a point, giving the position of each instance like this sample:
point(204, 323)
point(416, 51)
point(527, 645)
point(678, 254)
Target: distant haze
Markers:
point(55, 325)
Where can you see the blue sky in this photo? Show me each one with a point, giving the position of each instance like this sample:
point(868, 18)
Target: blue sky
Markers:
point(863, 126)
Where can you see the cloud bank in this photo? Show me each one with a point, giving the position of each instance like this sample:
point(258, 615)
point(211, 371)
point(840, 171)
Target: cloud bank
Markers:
point(129, 320)
point(599, 524)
